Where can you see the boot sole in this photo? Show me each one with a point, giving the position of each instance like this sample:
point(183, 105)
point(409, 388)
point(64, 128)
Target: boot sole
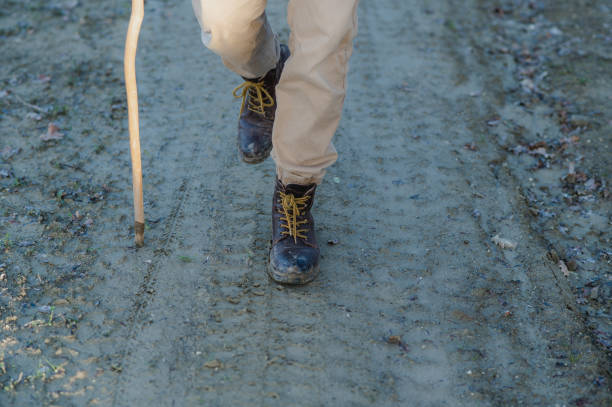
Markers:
point(254, 160)
point(289, 278)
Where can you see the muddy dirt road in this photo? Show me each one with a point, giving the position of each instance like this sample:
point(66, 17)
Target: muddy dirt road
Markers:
point(416, 304)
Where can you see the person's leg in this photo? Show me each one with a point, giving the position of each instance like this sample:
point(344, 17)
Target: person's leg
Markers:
point(310, 96)
point(239, 32)
point(311, 91)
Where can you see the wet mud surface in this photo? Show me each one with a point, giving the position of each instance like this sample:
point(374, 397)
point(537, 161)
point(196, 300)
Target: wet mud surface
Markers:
point(469, 215)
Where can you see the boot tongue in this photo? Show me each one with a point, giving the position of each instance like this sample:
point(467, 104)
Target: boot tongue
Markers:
point(268, 76)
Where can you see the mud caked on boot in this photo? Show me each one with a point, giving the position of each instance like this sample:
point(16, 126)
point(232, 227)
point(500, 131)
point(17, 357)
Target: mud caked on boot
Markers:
point(257, 112)
point(294, 256)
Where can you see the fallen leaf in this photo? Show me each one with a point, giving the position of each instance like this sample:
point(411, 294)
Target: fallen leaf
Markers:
point(52, 133)
point(539, 151)
point(42, 78)
point(394, 340)
point(33, 116)
point(590, 184)
point(537, 145)
point(528, 85)
point(503, 243)
point(563, 268)
point(8, 151)
point(570, 140)
point(397, 340)
point(493, 121)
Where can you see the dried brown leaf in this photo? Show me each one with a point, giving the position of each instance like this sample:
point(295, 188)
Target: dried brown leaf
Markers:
point(394, 340)
point(52, 133)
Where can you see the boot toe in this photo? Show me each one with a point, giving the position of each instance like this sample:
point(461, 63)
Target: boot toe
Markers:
point(254, 143)
point(293, 265)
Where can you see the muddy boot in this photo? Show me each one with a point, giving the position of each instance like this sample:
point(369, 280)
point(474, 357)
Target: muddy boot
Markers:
point(257, 112)
point(294, 257)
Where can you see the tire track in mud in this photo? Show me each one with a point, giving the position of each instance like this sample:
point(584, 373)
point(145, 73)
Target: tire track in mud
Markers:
point(219, 321)
point(233, 320)
point(147, 288)
point(387, 273)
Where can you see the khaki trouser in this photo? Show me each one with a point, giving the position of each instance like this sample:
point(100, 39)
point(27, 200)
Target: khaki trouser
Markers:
point(311, 90)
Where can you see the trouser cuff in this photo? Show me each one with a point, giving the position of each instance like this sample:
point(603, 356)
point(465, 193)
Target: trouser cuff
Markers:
point(289, 177)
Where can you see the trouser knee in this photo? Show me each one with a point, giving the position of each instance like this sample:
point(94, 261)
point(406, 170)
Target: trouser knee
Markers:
point(233, 29)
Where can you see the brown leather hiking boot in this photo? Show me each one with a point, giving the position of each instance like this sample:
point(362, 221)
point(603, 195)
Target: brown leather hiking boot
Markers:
point(294, 256)
point(257, 112)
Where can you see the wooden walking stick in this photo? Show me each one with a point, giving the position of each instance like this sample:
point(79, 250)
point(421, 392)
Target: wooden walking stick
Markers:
point(129, 66)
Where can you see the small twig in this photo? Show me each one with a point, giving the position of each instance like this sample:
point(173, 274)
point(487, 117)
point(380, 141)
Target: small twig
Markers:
point(74, 167)
point(31, 106)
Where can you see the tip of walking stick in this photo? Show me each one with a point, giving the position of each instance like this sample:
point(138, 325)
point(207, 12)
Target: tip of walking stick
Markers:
point(139, 237)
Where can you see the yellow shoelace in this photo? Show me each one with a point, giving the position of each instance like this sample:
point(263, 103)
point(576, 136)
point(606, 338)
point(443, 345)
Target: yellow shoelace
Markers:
point(260, 97)
point(291, 208)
